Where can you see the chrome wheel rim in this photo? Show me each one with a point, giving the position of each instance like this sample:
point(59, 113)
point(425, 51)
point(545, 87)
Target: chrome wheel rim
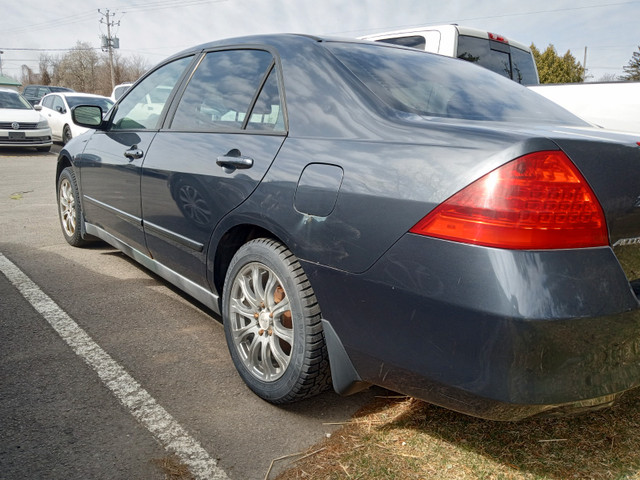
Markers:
point(67, 204)
point(261, 322)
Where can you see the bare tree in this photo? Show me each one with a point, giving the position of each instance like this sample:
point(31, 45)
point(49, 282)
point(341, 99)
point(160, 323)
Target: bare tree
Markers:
point(84, 70)
point(45, 64)
point(78, 68)
point(27, 76)
point(608, 77)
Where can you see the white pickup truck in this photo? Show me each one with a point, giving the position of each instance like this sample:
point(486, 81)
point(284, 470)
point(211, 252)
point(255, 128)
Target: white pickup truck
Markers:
point(611, 105)
point(504, 56)
point(614, 105)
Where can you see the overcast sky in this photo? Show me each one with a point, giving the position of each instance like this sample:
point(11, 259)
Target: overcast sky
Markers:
point(157, 28)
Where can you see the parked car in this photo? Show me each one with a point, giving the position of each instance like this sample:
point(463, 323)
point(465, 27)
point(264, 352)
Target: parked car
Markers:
point(34, 93)
point(120, 90)
point(56, 107)
point(364, 213)
point(22, 125)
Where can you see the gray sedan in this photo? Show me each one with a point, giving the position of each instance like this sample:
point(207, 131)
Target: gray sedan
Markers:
point(363, 213)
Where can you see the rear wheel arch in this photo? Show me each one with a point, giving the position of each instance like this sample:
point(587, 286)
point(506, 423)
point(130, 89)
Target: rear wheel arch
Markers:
point(229, 243)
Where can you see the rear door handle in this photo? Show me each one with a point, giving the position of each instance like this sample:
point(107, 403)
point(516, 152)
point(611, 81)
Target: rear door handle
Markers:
point(234, 160)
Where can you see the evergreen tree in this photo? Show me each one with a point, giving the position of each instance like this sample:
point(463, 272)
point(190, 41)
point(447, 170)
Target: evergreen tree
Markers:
point(555, 69)
point(632, 69)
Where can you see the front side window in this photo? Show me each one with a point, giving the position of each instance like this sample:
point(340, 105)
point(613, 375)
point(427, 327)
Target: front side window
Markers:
point(143, 105)
point(58, 104)
point(48, 101)
point(222, 89)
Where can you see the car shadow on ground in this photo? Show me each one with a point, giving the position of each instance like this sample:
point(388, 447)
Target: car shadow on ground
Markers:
point(25, 152)
point(599, 444)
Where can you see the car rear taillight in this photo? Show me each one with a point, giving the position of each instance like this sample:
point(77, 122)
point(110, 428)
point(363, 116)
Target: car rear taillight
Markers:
point(538, 201)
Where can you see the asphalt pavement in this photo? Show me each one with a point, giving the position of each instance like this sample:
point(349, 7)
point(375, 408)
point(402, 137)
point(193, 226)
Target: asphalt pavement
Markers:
point(70, 318)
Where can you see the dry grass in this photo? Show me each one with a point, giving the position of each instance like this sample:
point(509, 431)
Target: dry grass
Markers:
point(173, 469)
point(409, 439)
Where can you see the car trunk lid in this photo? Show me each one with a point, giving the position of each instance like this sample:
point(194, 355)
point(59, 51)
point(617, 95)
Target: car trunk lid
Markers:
point(613, 172)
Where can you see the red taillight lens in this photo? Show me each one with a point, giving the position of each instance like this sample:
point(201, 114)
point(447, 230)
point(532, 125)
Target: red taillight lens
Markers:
point(497, 38)
point(538, 201)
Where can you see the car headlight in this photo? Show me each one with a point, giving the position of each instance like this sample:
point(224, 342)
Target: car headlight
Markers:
point(42, 124)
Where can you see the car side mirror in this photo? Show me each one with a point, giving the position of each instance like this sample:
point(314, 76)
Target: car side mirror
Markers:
point(88, 116)
point(60, 109)
point(37, 108)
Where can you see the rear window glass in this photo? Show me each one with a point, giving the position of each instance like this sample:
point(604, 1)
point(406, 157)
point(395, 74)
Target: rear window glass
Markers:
point(103, 103)
point(523, 67)
point(499, 57)
point(432, 85)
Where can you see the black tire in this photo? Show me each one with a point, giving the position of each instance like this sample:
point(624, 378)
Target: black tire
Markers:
point(70, 209)
point(66, 134)
point(279, 352)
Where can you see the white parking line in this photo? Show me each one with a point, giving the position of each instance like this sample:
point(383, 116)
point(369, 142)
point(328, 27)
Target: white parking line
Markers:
point(136, 399)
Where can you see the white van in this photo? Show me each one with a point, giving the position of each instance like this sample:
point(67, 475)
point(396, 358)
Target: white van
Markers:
point(506, 57)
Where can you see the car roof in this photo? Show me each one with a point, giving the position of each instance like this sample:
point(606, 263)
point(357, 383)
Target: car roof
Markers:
point(274, 40)
point(75, 94)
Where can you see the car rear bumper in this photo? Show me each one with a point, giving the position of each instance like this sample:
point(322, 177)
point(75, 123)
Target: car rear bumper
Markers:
point(493, 333)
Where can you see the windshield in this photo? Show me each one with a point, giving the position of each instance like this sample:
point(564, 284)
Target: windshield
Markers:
point(14, 101)
point(431, 85)
point(104, 103)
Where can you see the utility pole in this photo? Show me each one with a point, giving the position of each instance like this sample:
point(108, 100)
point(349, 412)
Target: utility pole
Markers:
point(109, 42)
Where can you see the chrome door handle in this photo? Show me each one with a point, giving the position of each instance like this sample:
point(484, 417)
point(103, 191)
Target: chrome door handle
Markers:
point(233, 160)
point(134, 153)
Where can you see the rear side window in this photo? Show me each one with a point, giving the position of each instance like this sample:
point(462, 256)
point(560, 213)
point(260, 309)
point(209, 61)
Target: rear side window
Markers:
point(222, 90)
point(415, 41)
point(430, 85)
point(498, 57)
point(58, 103)
point(428, 40)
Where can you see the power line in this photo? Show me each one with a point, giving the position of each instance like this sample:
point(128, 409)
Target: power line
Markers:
point(48, 49)
point(457, 20)
point(89, 15)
